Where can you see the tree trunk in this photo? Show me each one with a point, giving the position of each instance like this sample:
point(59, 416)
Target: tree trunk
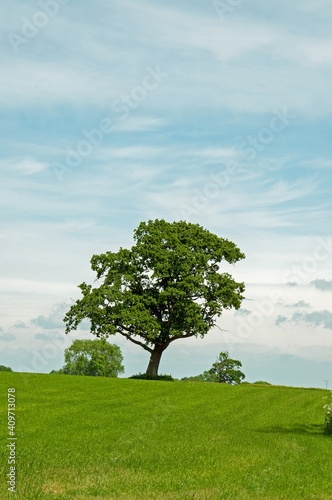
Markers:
point(152, 369)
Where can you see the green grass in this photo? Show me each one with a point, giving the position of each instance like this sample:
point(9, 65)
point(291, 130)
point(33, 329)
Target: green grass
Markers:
point(97, 438)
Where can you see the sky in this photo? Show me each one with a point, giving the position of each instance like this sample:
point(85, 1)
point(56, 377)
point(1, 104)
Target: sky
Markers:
point(215, 112)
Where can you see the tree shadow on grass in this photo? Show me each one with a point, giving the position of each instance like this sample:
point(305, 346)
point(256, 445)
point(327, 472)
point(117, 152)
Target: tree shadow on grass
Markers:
point(313, 429)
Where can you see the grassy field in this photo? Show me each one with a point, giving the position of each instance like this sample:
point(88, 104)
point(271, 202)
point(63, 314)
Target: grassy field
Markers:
point(97, 438)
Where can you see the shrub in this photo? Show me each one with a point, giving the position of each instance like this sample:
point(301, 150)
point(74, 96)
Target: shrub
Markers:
point(144, 376)
point(328, 415)
point(195, 378)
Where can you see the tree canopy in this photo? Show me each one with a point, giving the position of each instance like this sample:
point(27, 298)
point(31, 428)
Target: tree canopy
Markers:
point(168, 286)
point(94, 358)
point(225, 370)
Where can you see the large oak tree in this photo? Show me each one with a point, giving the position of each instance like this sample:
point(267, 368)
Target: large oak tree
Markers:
point(170, 285)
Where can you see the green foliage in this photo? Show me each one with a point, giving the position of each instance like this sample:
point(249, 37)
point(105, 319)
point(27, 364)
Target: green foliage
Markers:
point(261, 382)
point(225, 370)
point(328, 415)
point(168, 286)
point(101, 438)
point(94, 358)
point(5, 368)
point(144, 376)
point(209, 376)
point(194, 378)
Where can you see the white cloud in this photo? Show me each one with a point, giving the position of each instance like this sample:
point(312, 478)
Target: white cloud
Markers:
point(132, 152)
point(318, 163)
point(140, 124)
point(24, 166)
point(217, 154)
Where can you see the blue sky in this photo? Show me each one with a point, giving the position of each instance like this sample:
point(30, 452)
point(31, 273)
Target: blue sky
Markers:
point(214, 112)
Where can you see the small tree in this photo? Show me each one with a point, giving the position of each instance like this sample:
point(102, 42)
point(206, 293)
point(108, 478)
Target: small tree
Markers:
point(225, 370)
point(94, 358)
point(5, 368)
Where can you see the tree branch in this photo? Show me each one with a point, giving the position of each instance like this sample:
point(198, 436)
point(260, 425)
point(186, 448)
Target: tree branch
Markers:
point(220, 328)
point(181, 337)
point(136, 341)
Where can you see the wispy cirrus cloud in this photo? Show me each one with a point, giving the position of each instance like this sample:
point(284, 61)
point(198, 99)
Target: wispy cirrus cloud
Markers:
point(187, 40)
point(24, 166)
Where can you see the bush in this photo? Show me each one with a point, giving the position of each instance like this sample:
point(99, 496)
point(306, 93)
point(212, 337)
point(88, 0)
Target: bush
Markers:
point(195, 378)
point(143, 376)
point(328, 415)
point(262, 382)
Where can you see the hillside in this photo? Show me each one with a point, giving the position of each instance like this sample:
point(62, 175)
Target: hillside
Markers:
point(96, 438)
